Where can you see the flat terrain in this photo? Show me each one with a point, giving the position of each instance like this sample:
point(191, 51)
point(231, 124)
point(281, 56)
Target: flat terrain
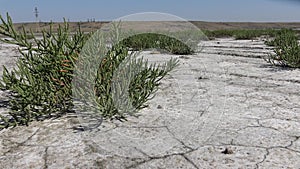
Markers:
point(91, 26)
point(224, 107)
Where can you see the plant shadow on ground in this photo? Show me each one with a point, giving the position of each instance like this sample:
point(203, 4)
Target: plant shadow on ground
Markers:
point(4, 103)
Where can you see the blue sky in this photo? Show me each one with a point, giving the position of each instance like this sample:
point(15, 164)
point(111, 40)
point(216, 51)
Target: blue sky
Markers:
point(203, 10)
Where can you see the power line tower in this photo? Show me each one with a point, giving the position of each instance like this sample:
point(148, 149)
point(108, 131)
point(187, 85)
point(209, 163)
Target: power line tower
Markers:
point(36, 14)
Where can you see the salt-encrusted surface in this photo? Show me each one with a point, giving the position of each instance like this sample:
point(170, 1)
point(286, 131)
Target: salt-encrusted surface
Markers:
point(222, 108)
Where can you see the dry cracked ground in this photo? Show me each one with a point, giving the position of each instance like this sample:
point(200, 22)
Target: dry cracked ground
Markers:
point(222, 108)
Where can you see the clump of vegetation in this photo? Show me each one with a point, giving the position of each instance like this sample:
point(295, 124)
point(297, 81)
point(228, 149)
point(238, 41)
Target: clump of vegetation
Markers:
point(286, 49)
point(40, 86)
point(159, 41)
point(211, 34)
point(249, 34)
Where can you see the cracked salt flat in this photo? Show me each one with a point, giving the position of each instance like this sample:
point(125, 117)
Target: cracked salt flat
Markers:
point(222, 108)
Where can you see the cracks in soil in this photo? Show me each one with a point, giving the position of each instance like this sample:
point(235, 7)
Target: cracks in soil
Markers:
point(189, 149)
point(151, 158)
point(271, 128)
point(190, 161)
point(264, 158)
point(30, 137)
point(266, 149)
point(257, 164)
point(19, 144)
point(46, 158)
point(292, 143)
point(162, 127)
point(177, 139)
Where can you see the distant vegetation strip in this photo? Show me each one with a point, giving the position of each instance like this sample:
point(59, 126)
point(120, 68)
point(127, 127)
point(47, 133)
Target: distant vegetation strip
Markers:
point(245, 33)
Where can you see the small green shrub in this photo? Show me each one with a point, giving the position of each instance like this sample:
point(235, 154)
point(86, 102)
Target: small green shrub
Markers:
point(286, 49)
point(152, 40)
point(40, 86)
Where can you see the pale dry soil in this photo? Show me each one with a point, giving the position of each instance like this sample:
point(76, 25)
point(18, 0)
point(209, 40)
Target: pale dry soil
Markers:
point(224, 107)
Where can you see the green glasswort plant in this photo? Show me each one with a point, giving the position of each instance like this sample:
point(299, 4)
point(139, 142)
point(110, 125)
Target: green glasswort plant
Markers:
point(40, 86)
point(154, 40)
point(286, 49)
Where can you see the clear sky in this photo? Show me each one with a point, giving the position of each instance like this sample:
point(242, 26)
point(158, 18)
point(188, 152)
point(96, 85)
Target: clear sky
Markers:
point(202, 10)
